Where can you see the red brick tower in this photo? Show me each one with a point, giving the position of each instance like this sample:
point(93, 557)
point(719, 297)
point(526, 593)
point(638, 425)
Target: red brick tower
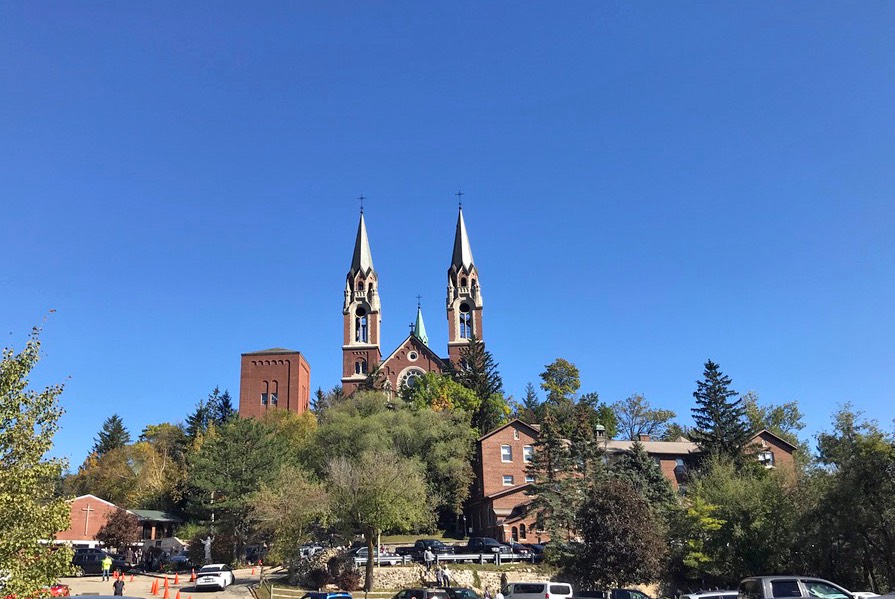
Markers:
point(360, 313)
point(464, 296)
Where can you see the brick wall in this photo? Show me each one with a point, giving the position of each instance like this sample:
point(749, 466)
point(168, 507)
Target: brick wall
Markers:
point(84, 524)
point(493, 468)
point(286, 373)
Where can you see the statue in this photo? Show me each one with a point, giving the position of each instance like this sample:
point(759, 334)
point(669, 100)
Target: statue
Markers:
point(207, 543)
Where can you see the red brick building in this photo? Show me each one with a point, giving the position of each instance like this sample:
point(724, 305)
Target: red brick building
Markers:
point(499, 508)
point(361, 318)
point(274, 379)
point(88, 514)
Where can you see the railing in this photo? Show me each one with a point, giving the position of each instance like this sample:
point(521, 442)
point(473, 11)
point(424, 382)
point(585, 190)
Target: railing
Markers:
point(481, 558)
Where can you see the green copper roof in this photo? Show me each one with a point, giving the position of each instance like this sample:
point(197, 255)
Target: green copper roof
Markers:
point(419, 327)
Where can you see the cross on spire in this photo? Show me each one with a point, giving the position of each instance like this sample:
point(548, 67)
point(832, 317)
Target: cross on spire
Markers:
point(460, 195)
point(418, 298)
point(362, 198)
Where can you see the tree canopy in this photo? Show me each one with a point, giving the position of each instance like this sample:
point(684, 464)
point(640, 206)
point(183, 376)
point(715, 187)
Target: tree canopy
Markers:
point(720, 419)
point(112, 436)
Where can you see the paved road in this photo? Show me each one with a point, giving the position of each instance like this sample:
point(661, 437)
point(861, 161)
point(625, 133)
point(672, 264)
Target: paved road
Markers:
point(142, 584)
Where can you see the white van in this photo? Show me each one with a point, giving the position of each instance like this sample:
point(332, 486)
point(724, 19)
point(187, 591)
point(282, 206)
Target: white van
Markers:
point(537, 590)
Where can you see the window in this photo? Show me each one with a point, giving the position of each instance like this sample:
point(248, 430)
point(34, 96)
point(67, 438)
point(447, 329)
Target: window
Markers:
point(506, 453)
point(527, 453)
point(462, 281)
point(360, 367)
point(265, 393)
point(766, 458)
point(817, 588)
point(522, 531)
point(508, 480)
point(529, 478)
point(465, 321)
point(516, 434)
point(515, 533)
point(274, 393)
point(785, 588)
point(360, 325)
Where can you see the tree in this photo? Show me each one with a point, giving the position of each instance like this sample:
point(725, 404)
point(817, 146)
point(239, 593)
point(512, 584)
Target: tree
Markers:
point(561, 381)
point(692, 529)
point(643, 473)
point(379, 491)
point(554, 492)
point(30, 513)
point(122, 528)
point(290, 509)
point(637, 417)
point(530, 410)
point(622, 542)
point(112, 436)
point(198, 421)
point(229, 466)
point(220, 406)
point(720, 421)
point(675, 431)
point(440, 392)
point(477, 372)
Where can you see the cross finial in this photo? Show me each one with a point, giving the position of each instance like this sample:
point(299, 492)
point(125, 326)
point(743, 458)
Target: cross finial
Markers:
point(362, 198)
point(460, 195)
point(418, 298)
point(412, 326)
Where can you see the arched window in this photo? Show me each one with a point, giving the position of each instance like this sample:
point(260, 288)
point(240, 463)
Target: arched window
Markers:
point(274, 393)
point(462, 281)
point(360, 367)
point(522, 531)
point(360, 325)
point(265, 392)
point(515, 534)
point(465, 321)
point(369, 286)
point(360, 285)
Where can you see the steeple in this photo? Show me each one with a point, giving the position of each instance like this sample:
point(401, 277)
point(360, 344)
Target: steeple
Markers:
point(462, 250)
point(419, 328)
point(362, 260)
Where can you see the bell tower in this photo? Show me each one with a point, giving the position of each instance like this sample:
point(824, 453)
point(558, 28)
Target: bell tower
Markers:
point(464, 295)
point(360, 314)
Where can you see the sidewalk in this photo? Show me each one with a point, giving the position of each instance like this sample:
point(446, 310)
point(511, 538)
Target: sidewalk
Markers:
point(142, 585)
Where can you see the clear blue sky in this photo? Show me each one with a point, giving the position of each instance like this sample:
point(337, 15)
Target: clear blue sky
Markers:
point(647, 185)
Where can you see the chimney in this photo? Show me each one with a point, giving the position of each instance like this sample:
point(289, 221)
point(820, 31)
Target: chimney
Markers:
point(642, 438)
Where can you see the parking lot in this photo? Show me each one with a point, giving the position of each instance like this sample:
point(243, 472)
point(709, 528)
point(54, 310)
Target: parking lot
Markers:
point(142, 586)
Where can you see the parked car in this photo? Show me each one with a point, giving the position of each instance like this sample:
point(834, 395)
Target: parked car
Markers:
point(310, 550)
point(536, 548)
point(218, 576)
point(421, 594)
point(485, 545)
point(419, 547)
point(360, 557)
point(520, 549)
point(711, 595)
point(180, 562)
point(461, 593)
point(769, 587)
point(322, 595)
point(90, 561)
point(58, 590)
point(537, 590)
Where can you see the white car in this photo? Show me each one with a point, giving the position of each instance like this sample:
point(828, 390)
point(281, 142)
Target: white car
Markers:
point(214, 576)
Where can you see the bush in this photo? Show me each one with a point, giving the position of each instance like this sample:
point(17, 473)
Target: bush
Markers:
point(318, 578)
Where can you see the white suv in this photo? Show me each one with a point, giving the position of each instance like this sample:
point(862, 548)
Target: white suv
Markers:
point(537, 590)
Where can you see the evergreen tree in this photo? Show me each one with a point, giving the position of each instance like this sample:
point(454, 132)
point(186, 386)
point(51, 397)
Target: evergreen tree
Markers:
point(720, 420)
point(531, 409)
point(220, 406)
point(554, 491)
point(644, 474)
point(477, 372)
point(30, 514)
point(197, 422)
point(113, 435)
point(587, 449)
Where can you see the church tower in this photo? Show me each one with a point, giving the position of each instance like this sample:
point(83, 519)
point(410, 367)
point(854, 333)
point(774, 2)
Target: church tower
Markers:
point(464, 296)
point(360, 313)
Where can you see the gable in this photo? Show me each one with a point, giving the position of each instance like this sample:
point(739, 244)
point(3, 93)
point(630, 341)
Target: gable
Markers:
point(412, 355)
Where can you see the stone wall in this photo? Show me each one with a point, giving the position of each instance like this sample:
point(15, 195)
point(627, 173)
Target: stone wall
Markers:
point(400, 577)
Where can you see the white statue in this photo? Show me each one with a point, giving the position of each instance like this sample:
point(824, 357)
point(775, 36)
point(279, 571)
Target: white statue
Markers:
point(207, 543)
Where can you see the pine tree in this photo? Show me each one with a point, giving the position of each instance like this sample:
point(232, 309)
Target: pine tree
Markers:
point(586, 450)
point(113, 435)
point(197, 422)
point(220, 406)
point(554, 490)
point(531, 409)
point(477, 372)
point(720, 421)
point(644, 474)
point(30, 514)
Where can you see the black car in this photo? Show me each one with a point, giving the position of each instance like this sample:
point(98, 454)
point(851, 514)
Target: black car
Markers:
point(90, 561)
point(421, 594)
point(461, 593)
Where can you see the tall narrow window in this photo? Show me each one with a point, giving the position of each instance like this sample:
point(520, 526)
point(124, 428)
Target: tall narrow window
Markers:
point(506, 453)
point(522, 531)
point(527, 453)
point(465, 321)
point(265, 393)
point(360, 367)
point(463, 282)
point(360, 325)
point(274, 394)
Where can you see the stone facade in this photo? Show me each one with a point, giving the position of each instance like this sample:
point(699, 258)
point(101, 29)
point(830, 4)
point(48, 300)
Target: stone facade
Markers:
point(274, 379)
point(393, 578)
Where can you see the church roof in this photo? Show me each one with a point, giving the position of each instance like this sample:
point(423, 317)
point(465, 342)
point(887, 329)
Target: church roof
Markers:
point(362, 260)
point(462, 250)
point(418, 344)
point(273, 350)
point(419, 328)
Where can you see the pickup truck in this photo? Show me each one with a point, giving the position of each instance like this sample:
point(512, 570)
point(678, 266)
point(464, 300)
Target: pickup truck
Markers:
point(778, 587)
point(416, 550)
point(485, 545)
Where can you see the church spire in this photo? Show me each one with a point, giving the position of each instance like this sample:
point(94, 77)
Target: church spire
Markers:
point(419, 328)
point(362, 260)
point(462, 250)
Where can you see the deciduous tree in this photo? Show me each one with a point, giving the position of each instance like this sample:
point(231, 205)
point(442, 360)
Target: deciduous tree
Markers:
point(121, 529)
point(30, 513)
point(637, 417)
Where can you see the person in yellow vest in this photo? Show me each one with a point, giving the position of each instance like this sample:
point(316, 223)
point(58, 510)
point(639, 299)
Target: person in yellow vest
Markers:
point(107, 565)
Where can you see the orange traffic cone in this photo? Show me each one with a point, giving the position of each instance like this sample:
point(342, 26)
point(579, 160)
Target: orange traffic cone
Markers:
point(154, 588)
point(176, 579)
point(132, 576)
point(115, 574)
point(193, 576)
point(177, 596)
point(166, 595)
point(253, 570)
point(166, 582)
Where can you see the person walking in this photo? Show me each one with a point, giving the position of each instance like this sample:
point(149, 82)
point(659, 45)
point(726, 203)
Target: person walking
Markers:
point(439, 577)
point(446, 577)
point(428, 557)
point(107, 565)
point(499, 594)
point(118, 586)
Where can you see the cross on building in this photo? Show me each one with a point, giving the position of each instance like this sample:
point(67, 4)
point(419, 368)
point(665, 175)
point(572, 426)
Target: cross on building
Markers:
point(87, 509)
